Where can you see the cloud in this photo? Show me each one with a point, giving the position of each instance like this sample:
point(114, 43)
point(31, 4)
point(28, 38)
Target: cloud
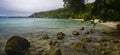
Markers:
point(89, 1)
point(14, 7)
point(27, 7)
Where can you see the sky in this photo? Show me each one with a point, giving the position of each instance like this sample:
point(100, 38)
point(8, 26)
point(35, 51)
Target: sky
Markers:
point(28, 7)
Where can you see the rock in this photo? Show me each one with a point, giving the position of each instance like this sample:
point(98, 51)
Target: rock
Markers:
point(117, 52)
point(2, 53)
point(60, 35)
point(53, 43)
point(101, 48)
point(79, 46)
point(82, 28)
point(87, 32)
point(104, 44)
point(115, 41)
point(55, 51)
point(104, 32)
point(118, 27)
point(86, 39)
point(91, 31)
point(44, 53)
point(75, 32)
point(16, 46)
point(103, 39)
point(45, 37)
point(104, 53)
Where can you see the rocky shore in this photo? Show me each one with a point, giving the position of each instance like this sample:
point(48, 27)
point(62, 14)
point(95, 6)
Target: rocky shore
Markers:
point(76, 42)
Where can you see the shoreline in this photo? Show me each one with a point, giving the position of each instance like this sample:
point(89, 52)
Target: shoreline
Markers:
point(84, 43)
point(109, 23)
point(70, 44)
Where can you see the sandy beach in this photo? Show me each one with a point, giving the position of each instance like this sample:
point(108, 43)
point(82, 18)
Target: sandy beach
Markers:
point(111, 24)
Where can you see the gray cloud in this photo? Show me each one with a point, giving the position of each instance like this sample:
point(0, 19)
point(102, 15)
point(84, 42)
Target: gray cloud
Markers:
point(27, 7)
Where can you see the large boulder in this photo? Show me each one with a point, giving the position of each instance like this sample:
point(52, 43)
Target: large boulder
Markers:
point(16, 46)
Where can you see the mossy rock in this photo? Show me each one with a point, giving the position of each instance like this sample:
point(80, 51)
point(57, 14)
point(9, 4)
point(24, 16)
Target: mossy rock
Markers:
point(86, 39)
point(60, 35)
point(104, 32)
point(53, 43)
point(114, 41)
point(55, 51)
point(82, 28)
point(45, 37)
point(75, 33)
point(16, 46)
point(101, 48)
point(79, 46)
point(103, 39)
point(104, 53)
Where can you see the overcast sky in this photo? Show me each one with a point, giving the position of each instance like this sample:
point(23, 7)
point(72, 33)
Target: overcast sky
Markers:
point(27, 7)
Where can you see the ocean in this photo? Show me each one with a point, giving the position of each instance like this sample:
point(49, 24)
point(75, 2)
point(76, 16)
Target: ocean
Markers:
point(13, 26)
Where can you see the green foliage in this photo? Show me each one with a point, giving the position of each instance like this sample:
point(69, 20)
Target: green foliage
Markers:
point(112, 4)
point(89, 6)
point(58, 13)
point(75, 5)
point(110, 15)
point(106, 10)
point(87, 16)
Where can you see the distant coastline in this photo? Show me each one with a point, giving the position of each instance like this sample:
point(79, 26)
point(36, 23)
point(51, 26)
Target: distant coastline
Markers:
point(13, 16)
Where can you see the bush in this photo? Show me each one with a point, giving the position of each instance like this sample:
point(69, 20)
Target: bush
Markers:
point(110, 15)
point(87, 16)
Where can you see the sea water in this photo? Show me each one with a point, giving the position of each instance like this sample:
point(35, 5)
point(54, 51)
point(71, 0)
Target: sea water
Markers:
point(12, 26)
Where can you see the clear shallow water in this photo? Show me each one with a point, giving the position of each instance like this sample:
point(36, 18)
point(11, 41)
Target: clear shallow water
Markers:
point(31, 25)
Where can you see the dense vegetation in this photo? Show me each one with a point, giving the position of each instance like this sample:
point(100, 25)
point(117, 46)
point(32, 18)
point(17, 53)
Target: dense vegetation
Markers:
point(107, 10)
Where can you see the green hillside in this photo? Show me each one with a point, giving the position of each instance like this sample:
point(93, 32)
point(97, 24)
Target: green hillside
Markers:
point(107, 10)
point(65, 13)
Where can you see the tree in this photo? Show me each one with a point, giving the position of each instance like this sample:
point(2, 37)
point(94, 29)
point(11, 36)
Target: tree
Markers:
point(75, 5)
point(107, 10)
point(98, 4)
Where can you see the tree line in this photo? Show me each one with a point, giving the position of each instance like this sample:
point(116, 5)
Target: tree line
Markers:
point(106, 10)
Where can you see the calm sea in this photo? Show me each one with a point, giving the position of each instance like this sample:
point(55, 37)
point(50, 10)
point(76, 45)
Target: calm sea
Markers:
point(30, 25)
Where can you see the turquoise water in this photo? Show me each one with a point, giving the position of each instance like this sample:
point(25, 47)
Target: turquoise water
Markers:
point(31, 25)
